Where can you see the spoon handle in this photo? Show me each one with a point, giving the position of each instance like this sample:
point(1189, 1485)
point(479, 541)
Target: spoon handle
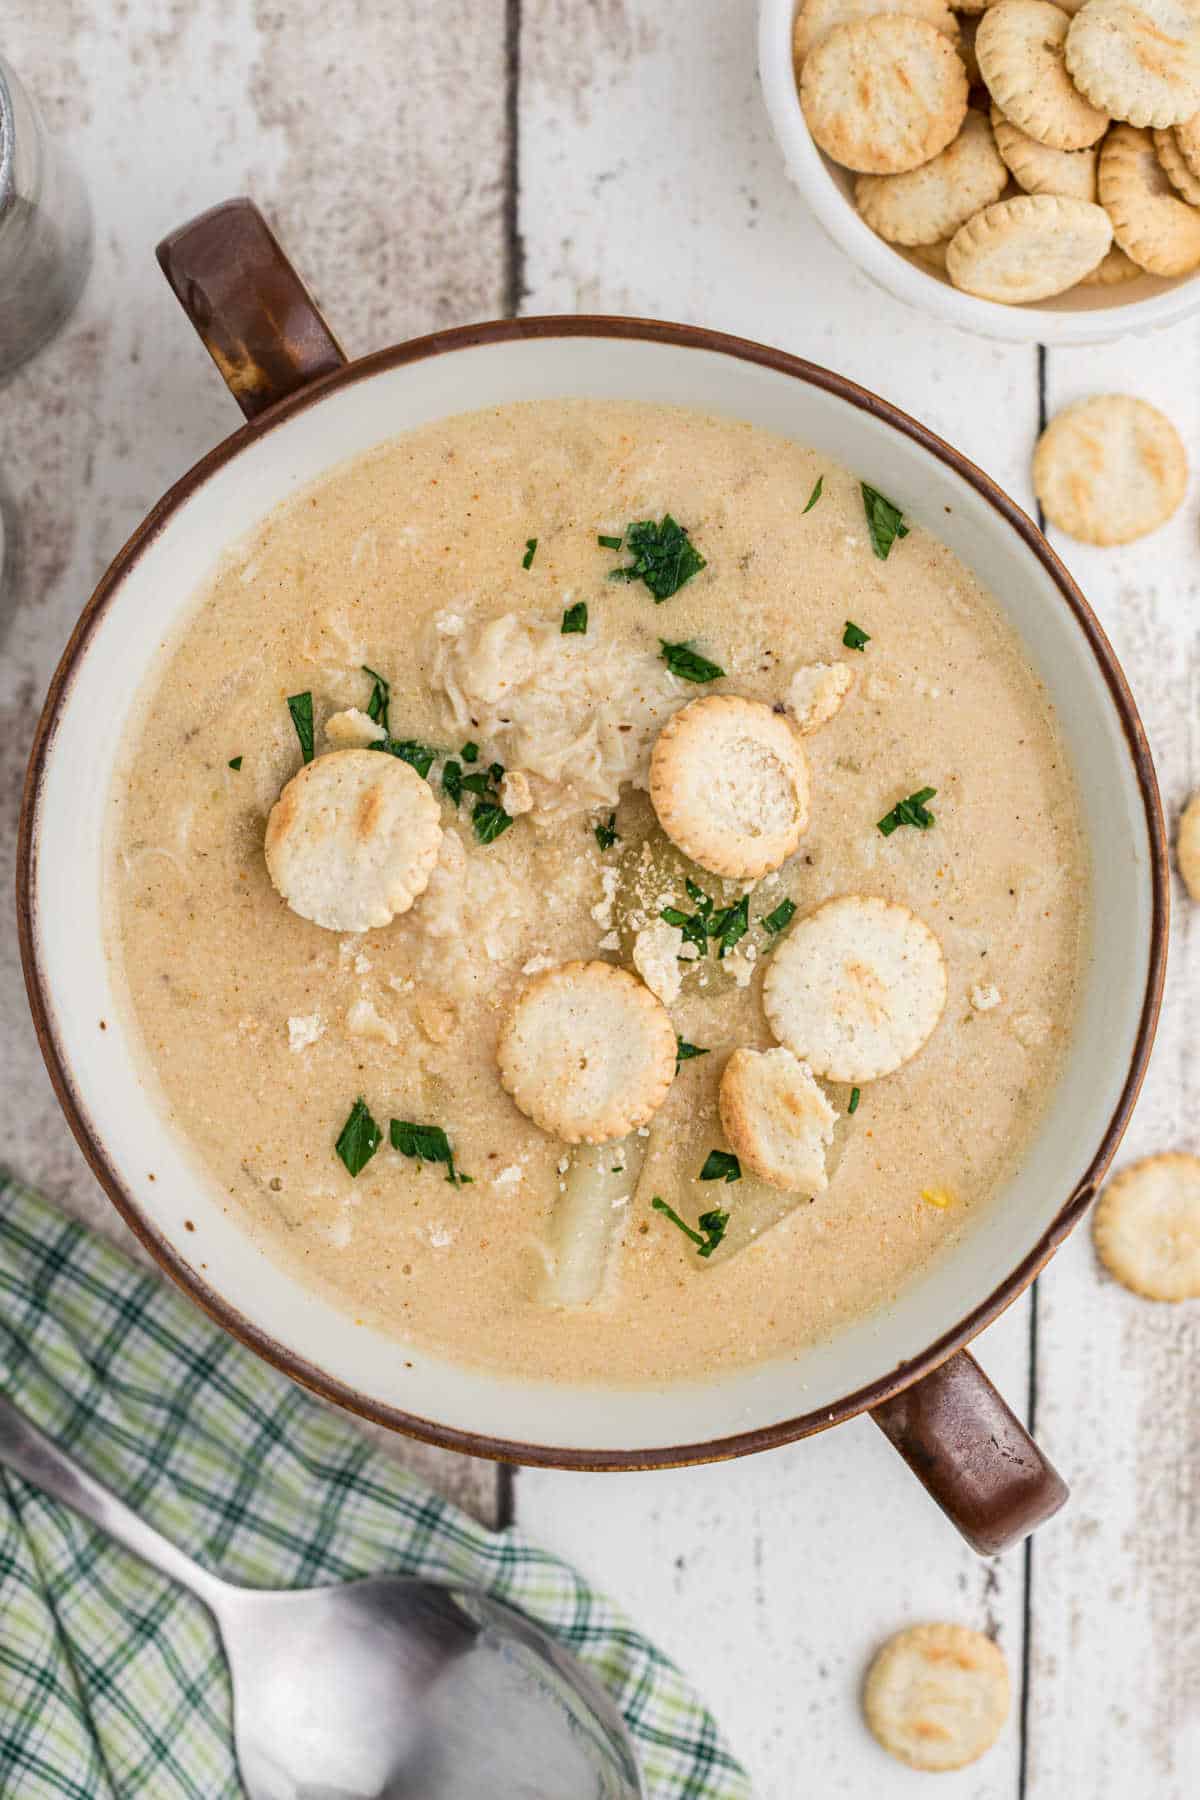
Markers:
point(30, 1453)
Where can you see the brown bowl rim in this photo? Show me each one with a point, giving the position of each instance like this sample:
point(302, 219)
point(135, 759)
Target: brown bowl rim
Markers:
point(189, 1278)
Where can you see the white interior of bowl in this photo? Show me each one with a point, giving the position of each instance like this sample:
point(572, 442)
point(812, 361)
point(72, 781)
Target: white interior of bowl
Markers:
point(1083, 315)
point(68, 928)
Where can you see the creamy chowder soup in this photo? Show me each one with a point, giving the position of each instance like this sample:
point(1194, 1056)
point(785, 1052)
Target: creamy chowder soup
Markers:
point(456, 586)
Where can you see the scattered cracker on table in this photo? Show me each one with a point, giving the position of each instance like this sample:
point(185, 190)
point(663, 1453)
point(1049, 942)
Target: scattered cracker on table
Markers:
point(1175, 168)
point(1020, 49)
point(1109, 469)
point(856, 988)
point(883, 94)
point(1146, 1227)
point(930, 203)
point(352, 840)
point(1138, 60)
point(937, 1696)
point(729, 785)
point(1150, 222)
point(1071, 174)
point(817, 18)
point(587, 1052)
point(1187, 846)
point(1028, 248)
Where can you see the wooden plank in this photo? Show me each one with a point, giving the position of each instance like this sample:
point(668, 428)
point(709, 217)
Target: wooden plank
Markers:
point(379, 150)
point(773, 1580)
point(649, 184)
point(1116, 1639)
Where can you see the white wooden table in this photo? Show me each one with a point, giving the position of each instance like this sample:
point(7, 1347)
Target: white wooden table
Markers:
point(426, 165)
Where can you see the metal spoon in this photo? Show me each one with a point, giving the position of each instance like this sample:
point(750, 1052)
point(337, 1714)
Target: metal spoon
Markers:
point(384, 1688)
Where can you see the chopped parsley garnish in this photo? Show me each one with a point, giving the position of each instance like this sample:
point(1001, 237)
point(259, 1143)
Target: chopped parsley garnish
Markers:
point(530, 552)
point(470, 753)
point(664, 557)
point(854, 637)
point(912, 811)
point(684, 662)
point(885, 522)
point(235, 762)
point(360, 1138)
point(694, 926)
point(607, 835)
point(721, 1165)
point(610, 543)
point(427, 1143)
point(574, 618)
point(730, 924)
point(855, 1097)
point(300, 707)
point(452, 781)
point(496, 771)
point(490, 820)
point(712, 1226)
point(477, 784)
point(418, 756)
point(774, 922)
point(381, 694)
point(818, 490)
point(684, 1051)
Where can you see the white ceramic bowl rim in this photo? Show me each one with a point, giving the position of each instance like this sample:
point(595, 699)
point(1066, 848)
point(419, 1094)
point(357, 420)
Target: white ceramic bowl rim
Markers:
point(1143, 815)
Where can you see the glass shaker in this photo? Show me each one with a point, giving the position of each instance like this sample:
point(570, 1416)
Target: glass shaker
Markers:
point(45, 228)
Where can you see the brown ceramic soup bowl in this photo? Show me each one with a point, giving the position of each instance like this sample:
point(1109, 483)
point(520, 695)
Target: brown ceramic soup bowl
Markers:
point(307, 410)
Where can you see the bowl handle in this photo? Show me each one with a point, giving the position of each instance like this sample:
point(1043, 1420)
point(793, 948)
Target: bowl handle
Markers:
point(973, 1455)
point(256, 318)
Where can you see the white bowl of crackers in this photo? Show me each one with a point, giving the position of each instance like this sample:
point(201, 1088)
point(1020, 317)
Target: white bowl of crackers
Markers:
point(1021, 169)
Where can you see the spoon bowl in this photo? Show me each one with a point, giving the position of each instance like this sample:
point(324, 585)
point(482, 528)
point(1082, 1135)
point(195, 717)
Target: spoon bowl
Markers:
point(387, 1688)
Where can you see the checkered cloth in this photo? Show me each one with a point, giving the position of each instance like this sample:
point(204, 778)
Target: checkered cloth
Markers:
point(112, 1681)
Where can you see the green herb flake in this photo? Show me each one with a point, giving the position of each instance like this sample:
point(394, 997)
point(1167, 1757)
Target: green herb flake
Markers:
point(360, 1138)
point(300, 707)
point(685, 663)
point(490, 820)
point(854, 637)
point(693, 926)
point(496, 772)
point(531, 545)
point(381, 696)
point(818, 490)
point(470, 753)
point(664, 557)
point(610, 543)
point(855, 1097)
point(885, 521)
point(712, 1225)
point(607, 835)
point(574, 619)
point(427, 1143)
point(912, 811)
point(684, 1052)
point(729, 925)
point(418, 756)
point(775, 922)
point(452, 781)
point(721, 1165)
point(235, 762)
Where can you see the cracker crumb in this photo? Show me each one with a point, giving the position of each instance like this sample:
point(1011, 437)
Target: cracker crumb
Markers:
point(516, 795)
point(984, 996)
point(363, 1020)
point(656, 952)
point(304, 1029)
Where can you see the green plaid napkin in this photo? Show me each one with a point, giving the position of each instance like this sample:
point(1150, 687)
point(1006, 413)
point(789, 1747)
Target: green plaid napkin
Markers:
point(112, 1682)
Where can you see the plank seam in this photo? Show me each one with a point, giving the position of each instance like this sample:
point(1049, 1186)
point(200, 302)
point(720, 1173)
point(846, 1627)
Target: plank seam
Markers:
point(514, 241)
